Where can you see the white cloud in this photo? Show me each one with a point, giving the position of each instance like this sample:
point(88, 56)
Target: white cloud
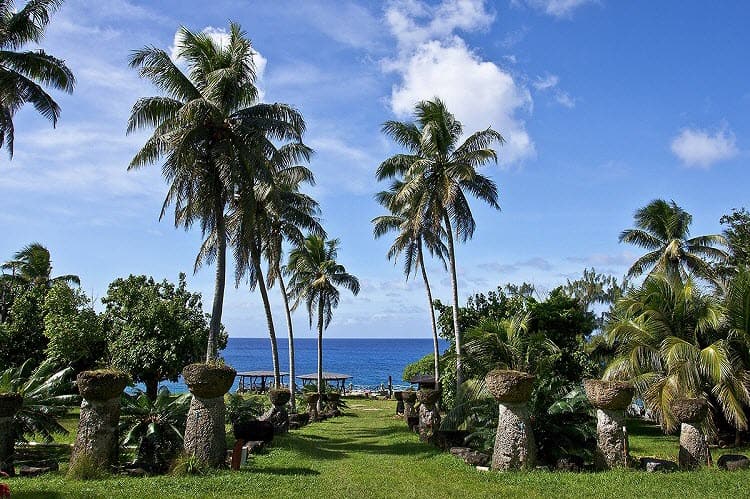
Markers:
point(702, 149)
point(565, 100)
point(433, 61)
point(549, 83)
point(546, 82)
point(557, 8)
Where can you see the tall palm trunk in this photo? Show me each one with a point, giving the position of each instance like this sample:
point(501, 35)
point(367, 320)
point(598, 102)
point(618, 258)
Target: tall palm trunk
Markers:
point(435, 345)
point(221, 266)
point(290, 333)
point(255, 255)
point(454, 288)
point(320, 353)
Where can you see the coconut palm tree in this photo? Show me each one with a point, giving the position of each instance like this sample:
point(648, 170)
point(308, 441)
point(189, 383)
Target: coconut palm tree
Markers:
point(296, 213)
point(438, 174)
point(24, 74)
point(257, 209)
point(207, 129)
point(667, 341)
point(315, 279)
point(410, 241)
point(663, 229)
point(32, 265)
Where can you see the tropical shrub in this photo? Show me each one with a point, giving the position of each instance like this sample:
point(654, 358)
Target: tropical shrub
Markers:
point(47, 397)
point(155, 427)
point(243, 408)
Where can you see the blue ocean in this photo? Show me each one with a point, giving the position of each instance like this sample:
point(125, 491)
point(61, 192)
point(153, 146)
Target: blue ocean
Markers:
point(368, 361)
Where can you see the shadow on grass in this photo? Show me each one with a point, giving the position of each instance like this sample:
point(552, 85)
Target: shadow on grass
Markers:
point(36, 495)
point(272, 470)
point(641, 428)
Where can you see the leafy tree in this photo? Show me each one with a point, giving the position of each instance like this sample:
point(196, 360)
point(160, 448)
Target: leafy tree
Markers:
point(315, 279)
point(411, 241)
point(155, 328)
point(207, 129)
point(438, 172)
point(663, 229)
point(73, 328)
point(666, 335)
point(25, 73)
point(22, 334)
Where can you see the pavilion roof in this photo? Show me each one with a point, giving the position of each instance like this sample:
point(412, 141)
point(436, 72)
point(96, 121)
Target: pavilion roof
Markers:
point(260, 374)
point(326, 376)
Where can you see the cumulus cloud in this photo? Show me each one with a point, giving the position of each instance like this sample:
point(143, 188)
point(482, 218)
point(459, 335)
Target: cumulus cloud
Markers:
point(703, 149)
point(434, 61)
point(556, 8)
point(549, 83)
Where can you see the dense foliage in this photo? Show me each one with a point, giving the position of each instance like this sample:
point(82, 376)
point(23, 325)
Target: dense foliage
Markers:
point(155, 329)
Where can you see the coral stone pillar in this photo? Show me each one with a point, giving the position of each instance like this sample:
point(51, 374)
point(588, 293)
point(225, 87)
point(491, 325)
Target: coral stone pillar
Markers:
point(410, 413)
point(610, 399)
point(312, 405)
point(398, 395)
point(10, 403)
point(332, 404)
point(278, 415)
point(97, 437)
point(691, 412)
point(429, 415)
point(514, 441)
point(205, 435)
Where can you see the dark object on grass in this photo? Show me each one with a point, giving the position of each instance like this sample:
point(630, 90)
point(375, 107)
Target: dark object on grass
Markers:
point(653, 465)
point(413, 422)
point(742, 464)
point(570, 463)
point(451, 438)
point(470, 456)
point(253, 430)
point(724, 460)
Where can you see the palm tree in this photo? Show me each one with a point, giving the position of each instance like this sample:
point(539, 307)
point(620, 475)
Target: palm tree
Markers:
point(315, 278)
point(663, 228)
point(667, 341)
point(295, 212)
point(24, 74)
point(258, 208)
point(32, 265)
point(438, 173)
point(410, 240)
point(207, 129)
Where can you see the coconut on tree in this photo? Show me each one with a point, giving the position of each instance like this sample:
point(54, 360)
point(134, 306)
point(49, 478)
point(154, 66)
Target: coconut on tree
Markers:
point(438, 174)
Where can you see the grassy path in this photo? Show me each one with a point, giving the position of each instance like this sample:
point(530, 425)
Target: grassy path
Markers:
point(368, 454)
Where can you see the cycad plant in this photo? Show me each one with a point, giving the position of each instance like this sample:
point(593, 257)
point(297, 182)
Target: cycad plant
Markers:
point(438, 174)
point(25, 73)
point(46, 392)
point(315, 279)
point(667, 339)
point(155, 427)
point(663, 229)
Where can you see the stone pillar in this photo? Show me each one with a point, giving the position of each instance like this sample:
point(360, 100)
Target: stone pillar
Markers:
point(410, 414)
point(312, 405)
point(610, 399)
point(429, 415)
point(205, 435)
point(97, 437)
point(691, 412)
point(277, 414)
point(332, 404)
point(10, 403)
point(514, 441)
point(398, 395)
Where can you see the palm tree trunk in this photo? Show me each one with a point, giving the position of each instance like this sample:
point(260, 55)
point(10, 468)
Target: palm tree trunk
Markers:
point(290, 333)
point(454, 288)
point(269, 316)
point(435, 345)
point(221, 265)
point(320, 353)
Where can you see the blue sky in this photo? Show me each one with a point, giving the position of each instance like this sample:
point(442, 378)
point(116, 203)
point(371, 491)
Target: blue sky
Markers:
point(605, 105)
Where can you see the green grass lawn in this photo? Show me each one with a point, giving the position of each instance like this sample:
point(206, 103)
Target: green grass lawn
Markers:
point(369, 453)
